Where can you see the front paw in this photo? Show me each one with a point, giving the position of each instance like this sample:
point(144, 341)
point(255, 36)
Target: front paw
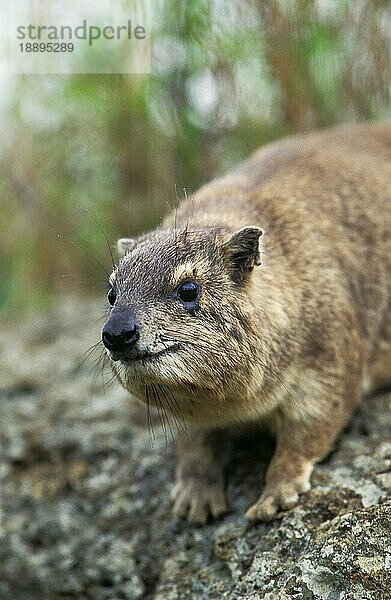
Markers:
point(196, 498)
point(275, 497)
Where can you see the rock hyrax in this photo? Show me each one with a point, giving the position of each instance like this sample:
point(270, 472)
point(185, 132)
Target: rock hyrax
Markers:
point(266, 297)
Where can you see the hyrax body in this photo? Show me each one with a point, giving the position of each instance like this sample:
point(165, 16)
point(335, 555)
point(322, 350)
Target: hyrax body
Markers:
point(265, 298)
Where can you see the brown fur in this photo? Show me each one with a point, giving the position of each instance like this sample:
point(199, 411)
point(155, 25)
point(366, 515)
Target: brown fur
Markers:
point(292, 341)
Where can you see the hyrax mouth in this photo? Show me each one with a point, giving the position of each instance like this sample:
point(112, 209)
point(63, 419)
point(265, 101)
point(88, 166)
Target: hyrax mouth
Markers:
point(138, 357)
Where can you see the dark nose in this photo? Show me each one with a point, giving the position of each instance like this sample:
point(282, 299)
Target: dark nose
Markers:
point(120, 332)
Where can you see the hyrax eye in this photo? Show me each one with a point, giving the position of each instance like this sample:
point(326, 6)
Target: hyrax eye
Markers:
point(111, 296)
point(188, 292)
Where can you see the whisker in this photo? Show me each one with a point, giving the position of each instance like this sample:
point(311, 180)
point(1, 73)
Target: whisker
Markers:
point(86, 355)
point(167, 417)
point(105, 237)
point(149, 420)
point(178, 420)
point(176, 225)
point(91, 256)
point(112, 379)
point(160, 411)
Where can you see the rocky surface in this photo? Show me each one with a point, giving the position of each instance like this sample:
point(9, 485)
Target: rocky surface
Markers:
point(85, 493)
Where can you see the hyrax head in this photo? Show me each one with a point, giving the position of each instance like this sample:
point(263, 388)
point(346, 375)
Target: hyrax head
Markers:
point(180, 315)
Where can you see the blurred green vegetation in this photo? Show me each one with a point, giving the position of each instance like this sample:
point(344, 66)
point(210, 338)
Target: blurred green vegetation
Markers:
point(118, 150)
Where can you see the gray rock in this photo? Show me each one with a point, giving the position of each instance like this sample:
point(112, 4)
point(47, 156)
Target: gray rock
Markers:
point(85, 508)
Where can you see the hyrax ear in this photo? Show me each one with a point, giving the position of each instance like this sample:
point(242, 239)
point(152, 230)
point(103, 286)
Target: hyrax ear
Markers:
point(125, 245)
point(242, 248)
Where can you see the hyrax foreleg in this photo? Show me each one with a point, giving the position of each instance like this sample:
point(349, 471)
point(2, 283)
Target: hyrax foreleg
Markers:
point(300, 444)
point(306, 428)
point(199, 489)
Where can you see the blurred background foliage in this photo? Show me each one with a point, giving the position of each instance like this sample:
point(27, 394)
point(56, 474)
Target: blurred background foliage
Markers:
point(227, 76)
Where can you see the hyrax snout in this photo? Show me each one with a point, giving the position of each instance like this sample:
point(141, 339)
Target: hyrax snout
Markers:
point(120, 333)
point(265, 297)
